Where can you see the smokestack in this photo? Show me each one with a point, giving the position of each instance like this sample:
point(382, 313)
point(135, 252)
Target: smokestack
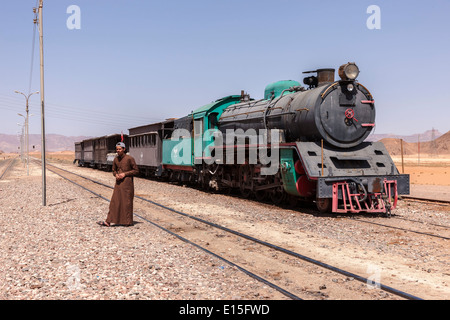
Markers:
point(325, 76)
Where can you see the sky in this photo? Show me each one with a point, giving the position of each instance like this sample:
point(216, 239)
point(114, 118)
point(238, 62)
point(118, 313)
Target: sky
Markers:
point(135, 62)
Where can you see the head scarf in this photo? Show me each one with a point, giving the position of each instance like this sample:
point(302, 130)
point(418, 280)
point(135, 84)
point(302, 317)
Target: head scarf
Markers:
point(120, 144)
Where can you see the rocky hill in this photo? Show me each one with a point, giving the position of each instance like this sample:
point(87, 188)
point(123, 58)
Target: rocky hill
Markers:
point(439, 146)
point(54, 142)
point(422, 137)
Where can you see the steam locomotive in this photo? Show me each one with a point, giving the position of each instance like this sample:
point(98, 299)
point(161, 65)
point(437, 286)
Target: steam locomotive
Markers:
point(297, 143)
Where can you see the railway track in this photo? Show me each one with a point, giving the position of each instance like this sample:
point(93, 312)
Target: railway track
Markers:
point(6, 167)
point(444, 228)
point(271, 264)
point(388, 226)
point(376, 218)
point(434, 201)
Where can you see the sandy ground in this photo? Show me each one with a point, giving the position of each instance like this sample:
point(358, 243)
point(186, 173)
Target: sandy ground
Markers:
point(429, 175)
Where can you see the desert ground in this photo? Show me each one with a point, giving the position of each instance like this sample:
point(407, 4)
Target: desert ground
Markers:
point(429, 175)
point(426, 170)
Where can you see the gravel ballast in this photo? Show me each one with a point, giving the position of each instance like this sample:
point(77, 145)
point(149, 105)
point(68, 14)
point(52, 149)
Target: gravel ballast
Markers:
point(59, 252)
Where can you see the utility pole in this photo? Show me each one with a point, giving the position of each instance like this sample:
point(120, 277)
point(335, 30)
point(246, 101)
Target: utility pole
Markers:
point(26, 126)
point(401, 148)
point(21, 140)
point(433, 143)
point(41, 53)
point(418, 149)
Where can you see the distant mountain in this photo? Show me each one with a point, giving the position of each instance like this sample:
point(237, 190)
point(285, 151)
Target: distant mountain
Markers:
point(56, 142)
point(53, 142)
point(422, 137)
point(439, 146)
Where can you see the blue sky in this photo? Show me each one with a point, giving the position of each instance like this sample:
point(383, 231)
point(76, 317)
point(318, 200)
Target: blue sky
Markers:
point(139, 61)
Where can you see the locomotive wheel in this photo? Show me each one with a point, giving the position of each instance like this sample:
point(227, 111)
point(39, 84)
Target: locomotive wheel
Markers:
point(292, 201)
point(323, 205)
point(226, 188)
point(277, 196)
point(261, 195)
point(245, 180)
point(205, 183)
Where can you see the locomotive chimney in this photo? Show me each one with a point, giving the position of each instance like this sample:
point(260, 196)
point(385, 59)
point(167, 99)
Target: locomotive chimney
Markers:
point(325, 76)
point(244, 96)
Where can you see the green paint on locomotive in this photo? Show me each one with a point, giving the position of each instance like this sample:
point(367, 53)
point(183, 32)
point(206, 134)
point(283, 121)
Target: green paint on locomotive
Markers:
point(177, 151)
point(192, 148)
point(288, 173)
point(275, 89)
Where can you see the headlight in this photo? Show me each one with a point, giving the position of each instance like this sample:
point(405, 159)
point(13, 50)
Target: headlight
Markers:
point(348, 71)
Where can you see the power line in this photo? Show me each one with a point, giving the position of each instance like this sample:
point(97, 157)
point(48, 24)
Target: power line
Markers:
point(79, 113)
point(97, 121)
point(78, 110)
point(80, 117)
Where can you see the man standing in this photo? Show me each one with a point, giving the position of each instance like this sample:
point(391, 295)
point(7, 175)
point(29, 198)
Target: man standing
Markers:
point(121, 207)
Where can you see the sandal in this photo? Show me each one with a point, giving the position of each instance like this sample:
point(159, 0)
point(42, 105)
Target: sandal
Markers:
point(103, 224)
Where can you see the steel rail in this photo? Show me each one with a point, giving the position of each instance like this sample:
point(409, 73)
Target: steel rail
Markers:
point(272, 246)
point(423, 222)
point(247, 272)
point(8, 167)
point(402, 229)
point(436, 201)
point(355, 219)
